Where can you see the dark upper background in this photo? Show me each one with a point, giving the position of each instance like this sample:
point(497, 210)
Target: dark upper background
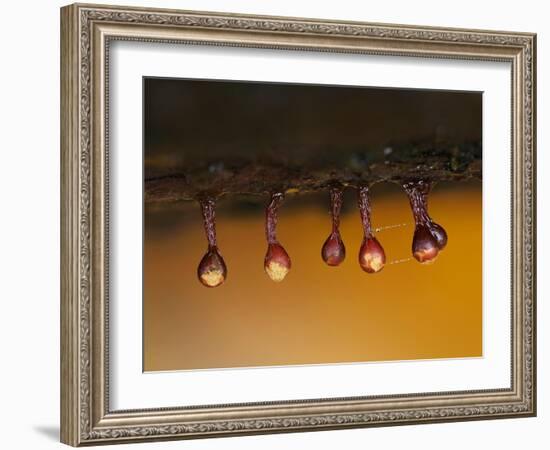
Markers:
point(196, 123)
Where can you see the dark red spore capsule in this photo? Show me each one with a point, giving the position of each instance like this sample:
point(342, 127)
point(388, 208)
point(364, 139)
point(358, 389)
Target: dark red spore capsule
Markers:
point(334, 251)
point(212, 270)
point(429, 237)
point(277, 263)
point(372, 257)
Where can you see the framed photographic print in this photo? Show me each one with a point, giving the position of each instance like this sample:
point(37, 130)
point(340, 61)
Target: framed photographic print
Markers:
point(275, 225)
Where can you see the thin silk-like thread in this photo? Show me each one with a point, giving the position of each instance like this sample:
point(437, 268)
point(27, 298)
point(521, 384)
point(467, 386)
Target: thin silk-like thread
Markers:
point(400, 261)
point(389, 227)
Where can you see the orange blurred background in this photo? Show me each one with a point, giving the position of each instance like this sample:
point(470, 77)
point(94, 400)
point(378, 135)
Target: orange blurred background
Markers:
point(318, 314)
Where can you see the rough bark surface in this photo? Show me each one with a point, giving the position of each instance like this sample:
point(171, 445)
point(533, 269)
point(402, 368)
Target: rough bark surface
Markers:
point(444, 162)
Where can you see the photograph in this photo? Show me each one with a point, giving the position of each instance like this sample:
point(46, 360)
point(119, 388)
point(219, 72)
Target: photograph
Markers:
point(294, 224)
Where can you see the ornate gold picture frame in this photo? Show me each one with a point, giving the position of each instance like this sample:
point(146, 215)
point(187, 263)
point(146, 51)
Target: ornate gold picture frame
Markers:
point(87, 32)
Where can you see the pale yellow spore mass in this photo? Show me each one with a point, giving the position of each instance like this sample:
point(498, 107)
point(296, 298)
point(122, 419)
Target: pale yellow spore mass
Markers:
point(374, 263)
point(212, 278)
point(426, 256)
point(277, 272)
